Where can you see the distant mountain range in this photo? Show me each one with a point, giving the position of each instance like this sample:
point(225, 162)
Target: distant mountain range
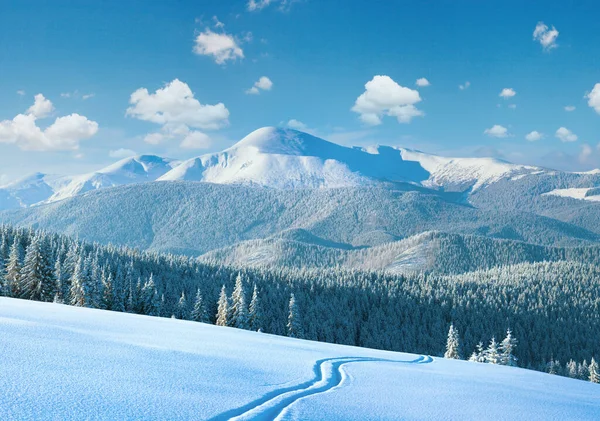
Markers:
point(286, 159)
point(281, 196)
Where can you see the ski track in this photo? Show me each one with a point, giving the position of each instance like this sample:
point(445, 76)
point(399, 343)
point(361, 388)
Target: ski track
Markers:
point(328, 376)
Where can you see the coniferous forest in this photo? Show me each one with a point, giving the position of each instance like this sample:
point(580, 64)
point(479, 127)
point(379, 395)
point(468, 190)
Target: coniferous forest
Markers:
point(542, 315)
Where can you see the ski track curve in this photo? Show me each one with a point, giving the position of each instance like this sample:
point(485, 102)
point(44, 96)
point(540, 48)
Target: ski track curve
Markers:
point(327, 376)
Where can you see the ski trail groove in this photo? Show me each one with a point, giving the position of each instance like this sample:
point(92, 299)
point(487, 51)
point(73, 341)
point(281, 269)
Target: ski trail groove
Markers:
point(327, 376)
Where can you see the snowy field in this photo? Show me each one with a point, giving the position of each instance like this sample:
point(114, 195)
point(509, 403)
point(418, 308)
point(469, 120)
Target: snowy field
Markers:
point(66, 363)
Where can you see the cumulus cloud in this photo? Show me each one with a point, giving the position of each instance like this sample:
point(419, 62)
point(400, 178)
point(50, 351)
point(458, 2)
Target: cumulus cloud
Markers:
point(64, 134)
point(507, 93)
point(570, 108)
point(422, 82)
point(383, 96)
point(221, 47)
point(41, 107)
point(178, 111)
point(545, 36)
point(262, 84)
point(534, 136)
point(566, 135)
point(296, 125)
point(496, 131)
point(594, 98)
point(464, 86)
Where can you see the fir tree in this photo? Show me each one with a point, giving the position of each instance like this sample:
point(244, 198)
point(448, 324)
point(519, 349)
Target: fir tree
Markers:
point(294, 325)
point(594, 372)
point(491, 354)
point(79, 292)
point(13, 268)
point(452, 344)
point(255, 312)
point(181, 309)
point(507, 347)
point(239, 311)
point(199, 311)
point(223, 309)
point(37, 275)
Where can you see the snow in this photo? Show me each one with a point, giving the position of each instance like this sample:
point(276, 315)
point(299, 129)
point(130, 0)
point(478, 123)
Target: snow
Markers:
point(473, 172)
point(574, 193)
point(68, 363)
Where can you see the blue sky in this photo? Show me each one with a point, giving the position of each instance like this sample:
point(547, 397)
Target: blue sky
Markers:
point(87, 58)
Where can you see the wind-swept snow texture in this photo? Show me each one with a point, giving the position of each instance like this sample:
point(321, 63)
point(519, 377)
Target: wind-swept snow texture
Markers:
point(67, 363)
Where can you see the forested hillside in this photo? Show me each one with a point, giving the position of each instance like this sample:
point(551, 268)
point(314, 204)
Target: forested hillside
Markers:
point(551, 307)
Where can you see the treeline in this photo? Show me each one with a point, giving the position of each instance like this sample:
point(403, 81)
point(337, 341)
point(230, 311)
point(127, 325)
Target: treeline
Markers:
point(553, 308)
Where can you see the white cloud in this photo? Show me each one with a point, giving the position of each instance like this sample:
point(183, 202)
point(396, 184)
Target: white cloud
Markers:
point(594, 98)
point(496, 131)
point(41, 107)
point(546, 36)
point(464, 86)
point(121, 153)
point(296, 125)
point(512, 106)
point(256, 5)
point(218, 23)
point(175, 104)
point(382, 97)
point(422, 82)
point(262, 84)
point(570, 108)
point(21, 92)
point(507, 93)
point(87, 96)
point(534, 136)
point(196, 140)
point(177, 110)
point(566, 135)
point(64, 134)
point(221, 46)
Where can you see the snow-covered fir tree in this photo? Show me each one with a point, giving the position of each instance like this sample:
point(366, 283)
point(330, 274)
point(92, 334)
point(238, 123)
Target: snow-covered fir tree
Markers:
point(452, 344)
point(13, 268)
point(199, 313)
point(37, 275)
point(492, 354)
point(223, 308)
point(255, 311)
point(294, 325)
point(181, 309)
point(594, 371)
point(239, 311)
point(78, 294)
point(507, 349)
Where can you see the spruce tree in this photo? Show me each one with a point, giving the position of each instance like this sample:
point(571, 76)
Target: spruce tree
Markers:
point(79, 291)
point(181, 309)
point(594, 371)
point(239, 311)
point(199, 311)
point(37, 275)
point(452, 344)
point(507, 347)
point(491, 354)
point(13, 268)
point(255, 312)
point(294, 325)
point(223, 309)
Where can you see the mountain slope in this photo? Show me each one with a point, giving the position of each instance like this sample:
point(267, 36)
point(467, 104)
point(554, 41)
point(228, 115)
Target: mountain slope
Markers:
point(285, 158)
point(138, 367)
point(43, 188)
point(194, 218)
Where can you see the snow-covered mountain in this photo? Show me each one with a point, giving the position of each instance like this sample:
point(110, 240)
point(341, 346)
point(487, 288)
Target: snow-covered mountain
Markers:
point(279, 158)
point(130, 366)
point(43, 188)
point(285, 158)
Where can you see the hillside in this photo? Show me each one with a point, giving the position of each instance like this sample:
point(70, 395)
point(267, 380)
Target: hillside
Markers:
point(194, 218)
point(137, 367)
